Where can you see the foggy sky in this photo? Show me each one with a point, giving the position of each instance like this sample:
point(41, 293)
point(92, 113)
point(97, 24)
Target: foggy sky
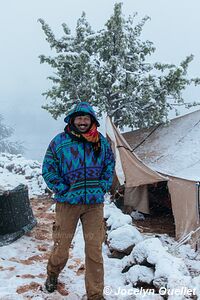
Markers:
point(174, 29)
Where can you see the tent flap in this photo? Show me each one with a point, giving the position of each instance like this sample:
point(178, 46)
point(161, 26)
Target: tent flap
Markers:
point(135, 172)
point(183, 198)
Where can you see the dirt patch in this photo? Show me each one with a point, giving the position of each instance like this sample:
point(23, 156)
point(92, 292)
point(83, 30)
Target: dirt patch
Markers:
point(7, 269)
point(45, 218)
point(43, 248)
point(21, 261)
point(24, 276)
point(41, 275)
point(81, 270)
point(33, 286)
point(30, 260)
point(159, 225)
point(61, 289)
point(71, 267)
point(48, 216)
point(42, 234)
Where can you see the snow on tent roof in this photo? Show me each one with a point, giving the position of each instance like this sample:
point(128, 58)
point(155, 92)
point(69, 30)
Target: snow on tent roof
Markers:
point(172, 149)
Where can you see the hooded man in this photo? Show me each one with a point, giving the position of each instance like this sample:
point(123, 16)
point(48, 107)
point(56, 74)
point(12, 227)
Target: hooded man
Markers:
point(78, 167)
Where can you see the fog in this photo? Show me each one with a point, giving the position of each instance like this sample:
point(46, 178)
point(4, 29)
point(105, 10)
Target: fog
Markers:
point(173, 28)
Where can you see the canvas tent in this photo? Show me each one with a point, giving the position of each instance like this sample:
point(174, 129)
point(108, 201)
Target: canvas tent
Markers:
point(164, 153)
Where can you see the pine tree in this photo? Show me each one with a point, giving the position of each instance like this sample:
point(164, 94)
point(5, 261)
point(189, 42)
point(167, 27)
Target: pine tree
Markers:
point(5, 144)
point(110, 69)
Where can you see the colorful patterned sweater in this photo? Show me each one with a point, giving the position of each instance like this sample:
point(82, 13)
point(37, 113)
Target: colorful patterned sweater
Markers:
point(72, 171)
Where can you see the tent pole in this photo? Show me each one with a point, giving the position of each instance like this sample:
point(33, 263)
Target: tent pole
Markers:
point(197, 199)
point(198, 210)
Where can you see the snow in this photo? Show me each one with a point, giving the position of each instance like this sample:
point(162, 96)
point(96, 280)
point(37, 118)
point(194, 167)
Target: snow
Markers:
point(136, 215)
point(123, 237)
point(140, 273)
point(117, 220)
point(174, 149)
point(196, 285)
point(164, 270)
point(15, 170)
point(153, 261)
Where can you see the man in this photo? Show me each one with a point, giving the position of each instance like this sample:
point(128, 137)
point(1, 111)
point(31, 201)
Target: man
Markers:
point(78, 167)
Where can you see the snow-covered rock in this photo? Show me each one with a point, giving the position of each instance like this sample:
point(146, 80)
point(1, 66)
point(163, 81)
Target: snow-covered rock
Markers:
point(161, 268)
point(117, 220)
point(124, 237)
point(140, 274)
point(110, 209)
point(136, 215)
point(15, 170)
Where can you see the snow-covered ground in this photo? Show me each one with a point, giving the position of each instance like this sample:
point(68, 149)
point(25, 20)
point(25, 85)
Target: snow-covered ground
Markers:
point(152, 267)
point(137, 266)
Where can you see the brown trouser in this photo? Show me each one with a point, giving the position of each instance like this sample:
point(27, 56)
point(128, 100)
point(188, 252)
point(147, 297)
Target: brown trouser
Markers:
point(91, 216)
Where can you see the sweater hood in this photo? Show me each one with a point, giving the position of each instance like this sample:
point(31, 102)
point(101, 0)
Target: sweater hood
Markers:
point(83, 107)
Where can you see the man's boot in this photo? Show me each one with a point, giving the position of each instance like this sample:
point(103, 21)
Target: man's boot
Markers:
point(51, 283)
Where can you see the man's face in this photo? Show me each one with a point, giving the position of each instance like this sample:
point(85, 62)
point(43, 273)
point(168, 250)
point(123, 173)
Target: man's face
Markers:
point(82, 123)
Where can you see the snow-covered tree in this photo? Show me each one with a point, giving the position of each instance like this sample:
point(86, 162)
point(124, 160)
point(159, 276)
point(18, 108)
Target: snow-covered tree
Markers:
point(110, 69)
point(74, 74)
point(6, 145)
